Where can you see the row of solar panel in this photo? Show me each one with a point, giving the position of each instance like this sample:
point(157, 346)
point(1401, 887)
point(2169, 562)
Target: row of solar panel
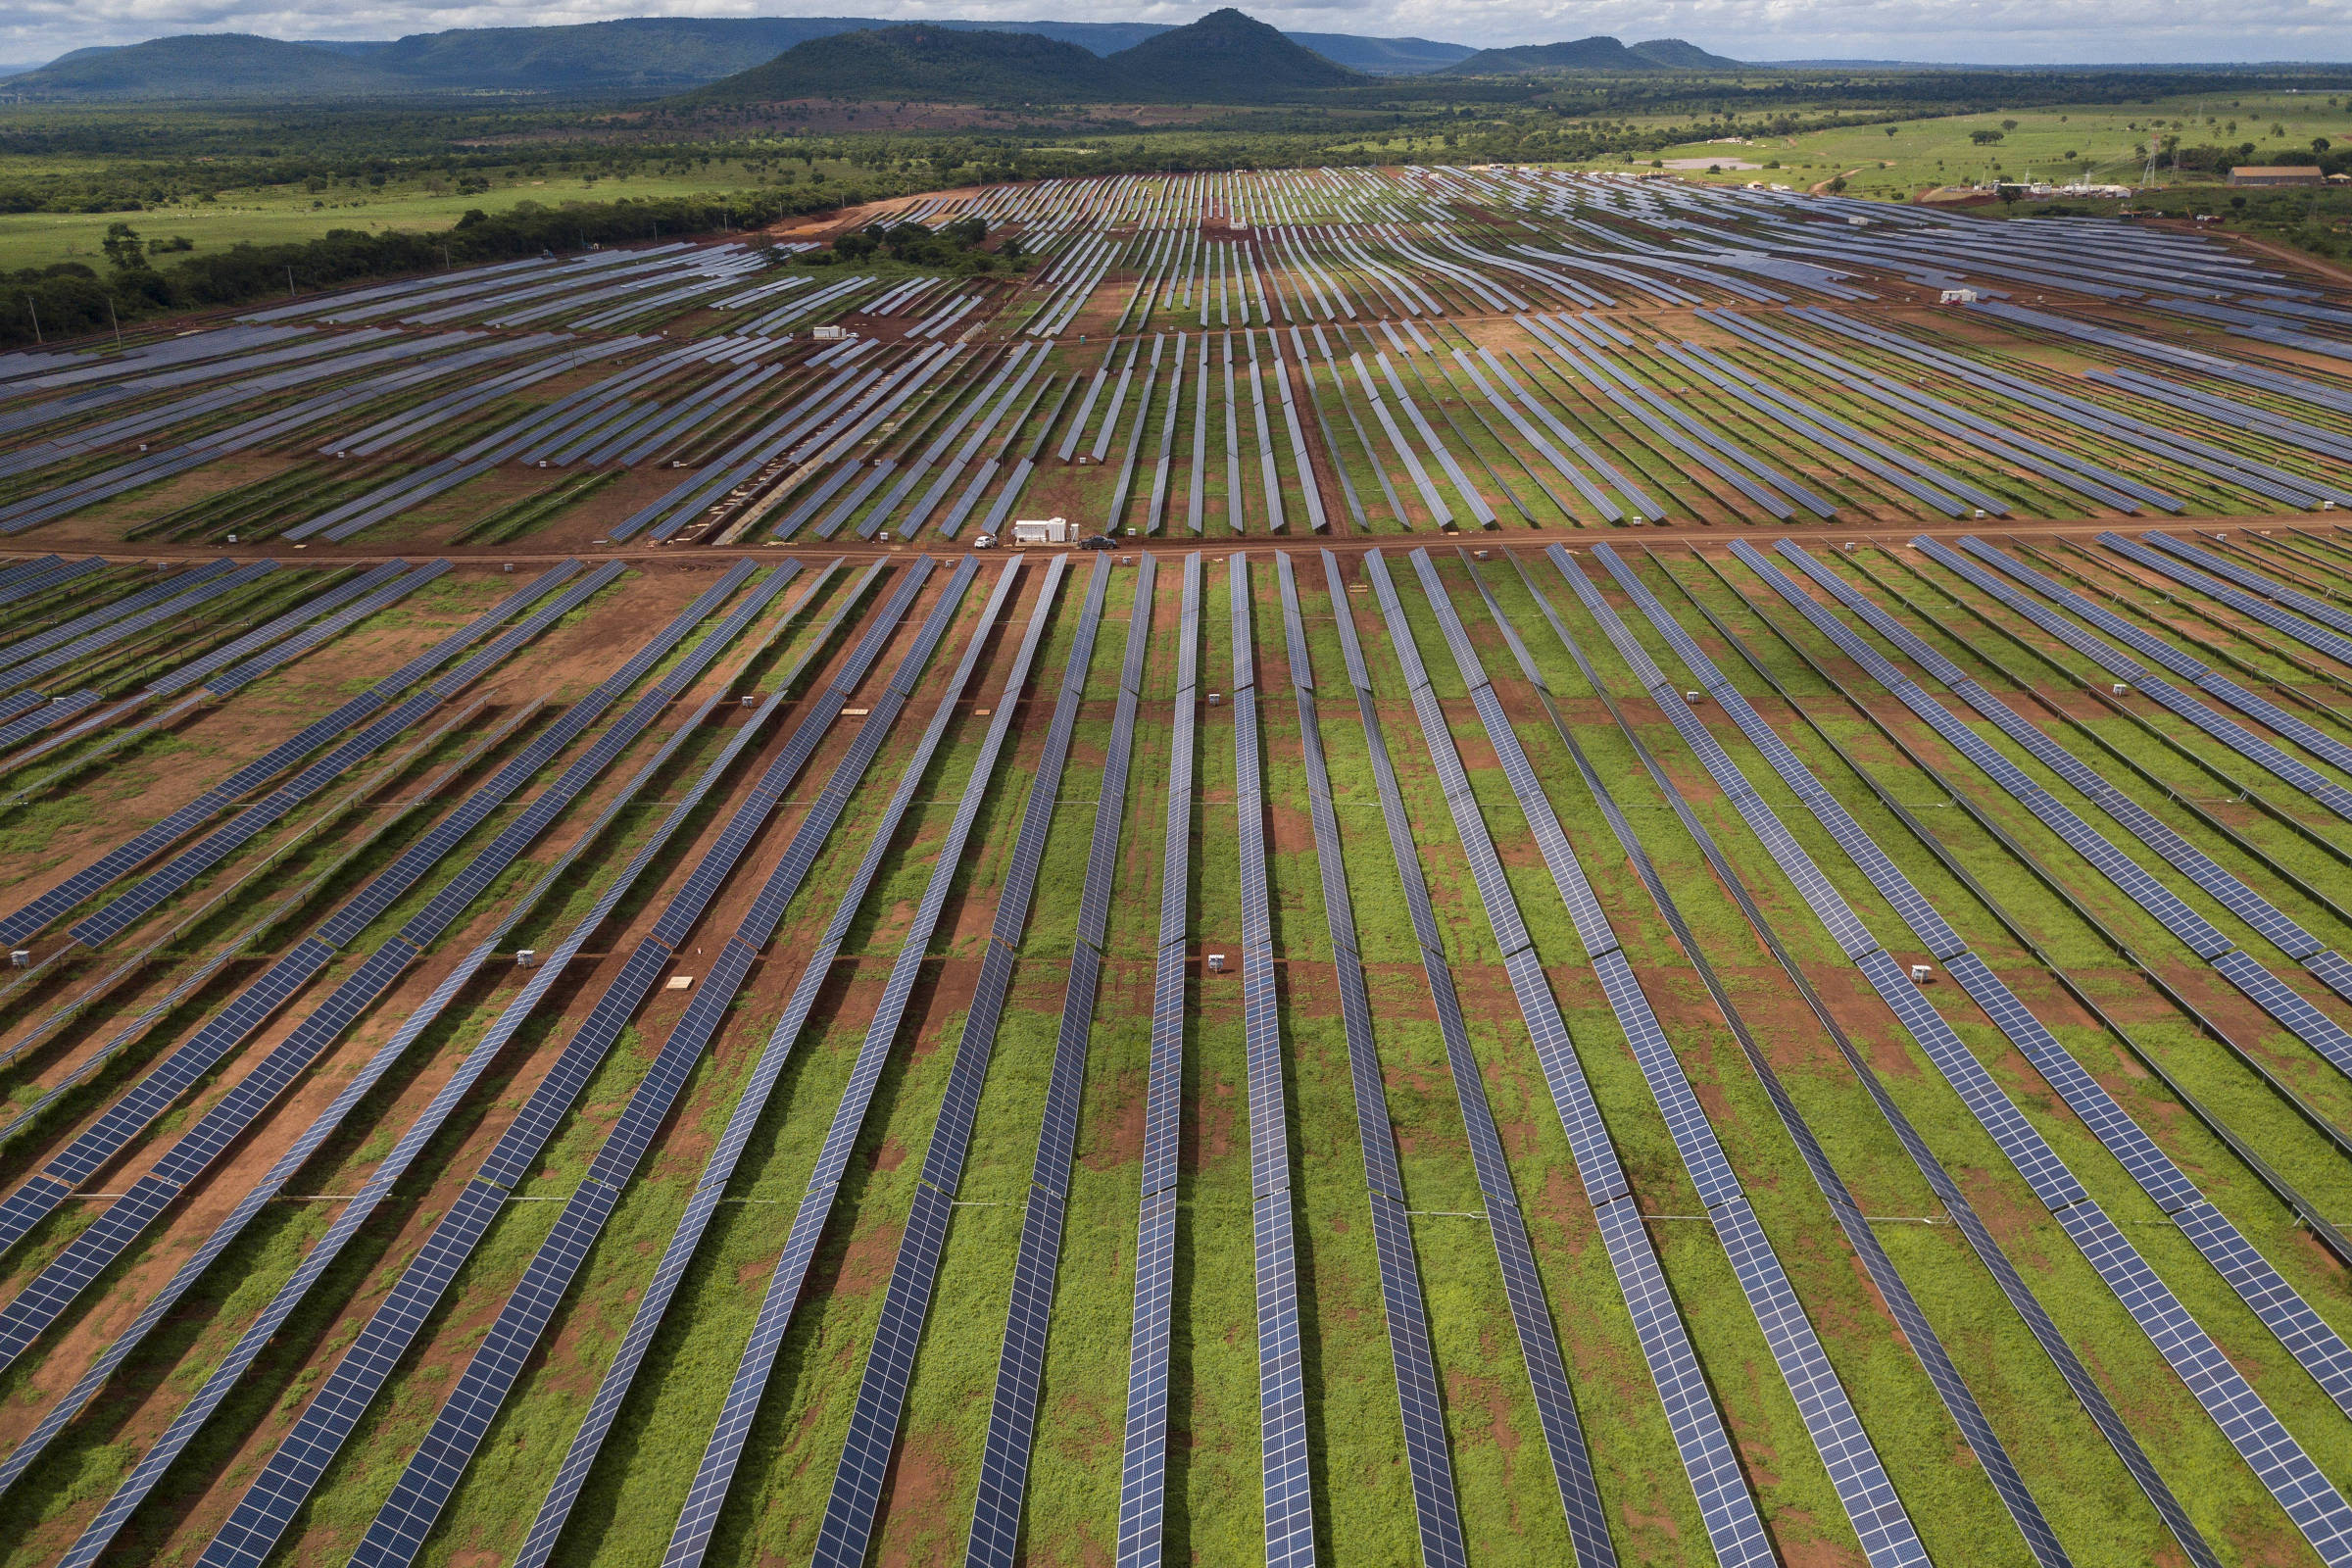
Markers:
point(120, 861)
point(1144, 1454)
point(327, 1422)
point(226, 1120)
point(1863, 1487)
point(2266, 1445)
point(192, 1416)
point(1282, 1421)
point(358, 1088)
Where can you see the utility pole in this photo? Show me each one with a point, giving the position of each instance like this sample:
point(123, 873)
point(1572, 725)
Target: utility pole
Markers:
point(114, 320)
point(291, 292)
point(36, 320)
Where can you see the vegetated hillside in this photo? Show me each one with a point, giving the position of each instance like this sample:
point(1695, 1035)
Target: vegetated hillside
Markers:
point(660, 53)
point(636, 55)
point(1225, 57)
point(207, 65)
point(1599, 53)
point(1677, 53)
point(1383, 57)
point(924, 61)
point(1094, 37)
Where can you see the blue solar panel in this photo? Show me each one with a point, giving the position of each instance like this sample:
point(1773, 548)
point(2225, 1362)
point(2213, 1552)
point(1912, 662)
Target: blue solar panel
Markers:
point(850, 1514)
point(690, 1535)
point(355, 1215)
point(1897, 991)
point(1420, 1410)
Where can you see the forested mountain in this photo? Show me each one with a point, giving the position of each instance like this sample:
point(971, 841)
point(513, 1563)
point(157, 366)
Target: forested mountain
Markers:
point(638, 56)
point(1591, 53)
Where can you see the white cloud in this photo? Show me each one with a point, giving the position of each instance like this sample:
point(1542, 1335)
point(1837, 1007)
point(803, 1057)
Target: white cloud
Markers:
point(1985, 31)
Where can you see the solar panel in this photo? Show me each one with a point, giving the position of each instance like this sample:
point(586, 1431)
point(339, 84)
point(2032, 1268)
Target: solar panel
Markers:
point(517, 1150)
point(353, 1216)
point(1421, 1413)
point(434, 1472)
point(2315, 1507)
point(848, 1518)
point(1896, 990)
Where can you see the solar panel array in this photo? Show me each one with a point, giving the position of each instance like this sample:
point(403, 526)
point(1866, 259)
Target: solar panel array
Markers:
point(760, 1084)
point(125, 910)
point(193, 1415)
point(19, 654)
point(2326, 1037)
point(714, 1474)
point(38, 576)
point(1020, 1367)
point(1143, 1465)
point(2246, 603)
point(2295, 598)
point(2268, 713)
point(439, 1464)
point(1734, 1528)
point(1795, 862)
point(1428, 1459)
point(848, 1524)
point(1284, 1459)
point(2269, 1450)
point(639, 714)
point(2309, 781)
point(193, 1154)
point(1514, 1251)
point(119, 862)
point(1918, 1334)
point(269, 1504)
point(1878, 1516)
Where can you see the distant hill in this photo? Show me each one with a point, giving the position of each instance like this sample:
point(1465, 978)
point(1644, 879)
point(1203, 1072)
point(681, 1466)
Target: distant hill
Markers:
point(924, 61)
point(1677, 55)
point(1383, 57)
point(1599, 53)
point(637, 55)
point(1225, 57)
point(199, 65)
point(659, 54)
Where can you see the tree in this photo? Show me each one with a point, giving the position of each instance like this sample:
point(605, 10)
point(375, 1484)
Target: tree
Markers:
point(2010, 193)
point(1985, 137)
point(124, 248)
point(2319, 146)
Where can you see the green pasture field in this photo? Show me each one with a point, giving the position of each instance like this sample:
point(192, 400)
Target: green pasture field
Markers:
point(279, 215)
point(2056, 143)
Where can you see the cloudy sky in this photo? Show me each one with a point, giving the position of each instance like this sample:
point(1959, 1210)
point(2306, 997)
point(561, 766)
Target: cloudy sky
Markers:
point(1988, 31)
